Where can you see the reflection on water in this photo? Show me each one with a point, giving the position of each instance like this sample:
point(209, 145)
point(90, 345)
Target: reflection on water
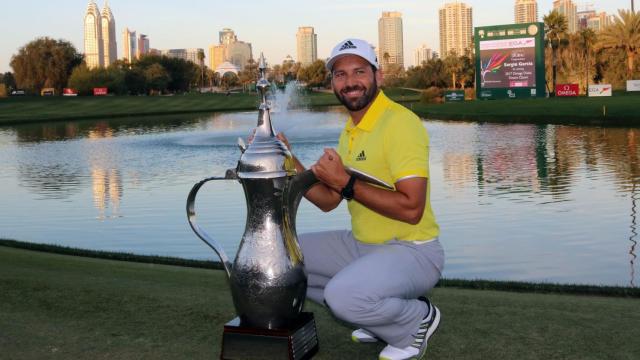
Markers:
point(634, 234)
point(518, 202)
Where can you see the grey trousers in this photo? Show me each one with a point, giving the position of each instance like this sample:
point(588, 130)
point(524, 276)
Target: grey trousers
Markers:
point(374, 287)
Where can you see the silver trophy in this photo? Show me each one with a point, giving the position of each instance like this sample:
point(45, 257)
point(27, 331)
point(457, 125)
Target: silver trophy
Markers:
point(267, 279)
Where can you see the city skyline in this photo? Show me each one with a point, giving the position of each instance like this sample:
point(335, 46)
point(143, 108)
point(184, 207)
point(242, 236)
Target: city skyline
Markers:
point(173, 25)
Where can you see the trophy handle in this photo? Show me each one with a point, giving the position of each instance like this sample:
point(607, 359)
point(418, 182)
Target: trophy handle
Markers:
point(191, 216)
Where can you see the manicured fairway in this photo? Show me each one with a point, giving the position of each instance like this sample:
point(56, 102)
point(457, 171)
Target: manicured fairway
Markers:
point(607, 111)
point(16, 110)
point(71, 307)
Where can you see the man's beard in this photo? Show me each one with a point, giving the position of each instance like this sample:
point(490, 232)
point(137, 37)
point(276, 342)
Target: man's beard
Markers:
point(361, 102)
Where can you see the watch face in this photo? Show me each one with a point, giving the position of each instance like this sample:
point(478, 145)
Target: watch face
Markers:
point(533, 29)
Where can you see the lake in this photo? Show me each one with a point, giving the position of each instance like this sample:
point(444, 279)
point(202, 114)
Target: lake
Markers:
point(518, 202)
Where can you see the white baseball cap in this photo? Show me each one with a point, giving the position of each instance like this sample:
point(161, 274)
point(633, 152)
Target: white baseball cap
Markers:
point(353, 47)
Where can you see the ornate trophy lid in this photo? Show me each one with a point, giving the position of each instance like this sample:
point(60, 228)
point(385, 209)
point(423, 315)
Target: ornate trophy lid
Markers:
point(266, 157)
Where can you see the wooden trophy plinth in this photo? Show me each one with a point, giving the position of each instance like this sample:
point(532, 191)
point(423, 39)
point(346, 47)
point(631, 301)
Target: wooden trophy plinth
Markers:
point(297, 342)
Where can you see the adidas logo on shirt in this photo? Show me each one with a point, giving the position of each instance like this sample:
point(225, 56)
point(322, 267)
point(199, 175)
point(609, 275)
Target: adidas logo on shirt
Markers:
point(347, 45)
point(361, 156)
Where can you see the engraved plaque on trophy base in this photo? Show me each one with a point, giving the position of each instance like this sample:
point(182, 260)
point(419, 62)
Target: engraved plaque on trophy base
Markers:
point(298, 342)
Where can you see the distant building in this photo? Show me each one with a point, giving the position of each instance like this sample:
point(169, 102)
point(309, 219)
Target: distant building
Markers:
point(422, 54)
point(93, 45)
point(599, 21)
point(306, 45)
point(526, 11)
point(216, 56)
point(456, 28)
point(109, 44)
point(130, 45)
point(227, 36)
point(239, 53)
point(143, 45)
point(229, 49)
point(569, 10)
point(583, 17)
point(226, 67)
point(390, 41)
point(184, 54)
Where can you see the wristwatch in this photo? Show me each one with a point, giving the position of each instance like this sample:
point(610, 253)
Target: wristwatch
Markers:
point(347, 192)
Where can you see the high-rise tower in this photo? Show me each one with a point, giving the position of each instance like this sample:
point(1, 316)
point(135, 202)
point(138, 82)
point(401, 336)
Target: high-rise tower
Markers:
point(390, 44)
point(109, 45)
point(93, 45)
point(526, 11)
point(143, 46)
point(307, 45)
point(130, 45)
point(456, 28)
point(569, 9)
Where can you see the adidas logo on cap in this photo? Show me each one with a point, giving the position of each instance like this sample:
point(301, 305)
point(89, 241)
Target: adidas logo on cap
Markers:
point(361, 156)
point(347, 45)
point(355, 47)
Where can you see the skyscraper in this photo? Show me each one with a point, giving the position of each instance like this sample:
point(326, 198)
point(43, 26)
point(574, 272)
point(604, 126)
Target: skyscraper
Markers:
point(390, 44)
point(456, 28)
point(422, 54)
point(130, 45)
point(307, 45)
point(526, 11)
point(93, 47)
point(143, 45)
point(569, 10)
point(109, 45)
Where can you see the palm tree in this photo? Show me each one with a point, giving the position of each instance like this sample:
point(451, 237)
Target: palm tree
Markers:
point(623, 34)
point(453, 63)
point(586, 39)
point(201, 63)
point(556, 27)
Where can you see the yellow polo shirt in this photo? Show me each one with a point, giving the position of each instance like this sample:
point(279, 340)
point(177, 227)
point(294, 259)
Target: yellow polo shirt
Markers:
point(391, 144)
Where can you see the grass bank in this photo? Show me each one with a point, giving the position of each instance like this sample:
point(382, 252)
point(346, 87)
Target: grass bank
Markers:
point(60, 306)
point(620, 110)
point(16, 110)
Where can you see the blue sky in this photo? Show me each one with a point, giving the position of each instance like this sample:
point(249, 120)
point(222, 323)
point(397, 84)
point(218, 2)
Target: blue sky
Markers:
point(270, 26)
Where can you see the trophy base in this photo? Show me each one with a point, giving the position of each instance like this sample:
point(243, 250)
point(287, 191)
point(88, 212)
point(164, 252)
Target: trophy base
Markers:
point(298, 342)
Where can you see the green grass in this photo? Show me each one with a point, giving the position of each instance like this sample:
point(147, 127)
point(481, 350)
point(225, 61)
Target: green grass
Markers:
point(620, 110)
point(16, 110)
point(34, 109)
point(68, 307)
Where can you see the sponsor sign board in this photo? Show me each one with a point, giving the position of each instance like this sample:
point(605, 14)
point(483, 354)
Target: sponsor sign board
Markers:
point(100, 91)
point(48, 92)
point(69, 92)
point(633, 85)
point(454, 95)
point(510, 61)
point(600, 90)
point(566, 90)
